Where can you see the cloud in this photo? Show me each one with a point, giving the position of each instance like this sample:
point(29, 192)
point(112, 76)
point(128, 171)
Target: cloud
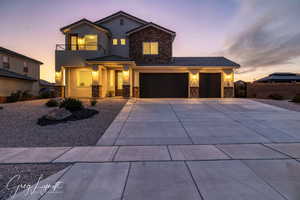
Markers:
point(270, 34)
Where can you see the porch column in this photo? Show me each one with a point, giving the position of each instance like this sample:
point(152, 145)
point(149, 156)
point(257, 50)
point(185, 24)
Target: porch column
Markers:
point(194, 84)
point(228, 77)
point(96, 86)
point(126, 82)
point(136, 85)
point(59, 83)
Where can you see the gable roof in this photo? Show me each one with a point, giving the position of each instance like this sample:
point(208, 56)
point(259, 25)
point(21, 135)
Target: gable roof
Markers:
point(82, 21)
point(198, 61)
point(121, 13)
point(151, 24)
point(10, 74)
point(13, 53)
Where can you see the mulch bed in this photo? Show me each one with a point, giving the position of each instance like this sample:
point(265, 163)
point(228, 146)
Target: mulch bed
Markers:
point(18, 125)
point(76, 115)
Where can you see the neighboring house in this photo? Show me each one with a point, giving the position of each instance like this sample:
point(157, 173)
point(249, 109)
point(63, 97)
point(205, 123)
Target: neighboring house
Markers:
point(280, 78)
point(126, 56)
point(18, 73)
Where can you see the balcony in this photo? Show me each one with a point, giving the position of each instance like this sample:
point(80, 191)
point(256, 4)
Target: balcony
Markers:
point(81, 47)
point(76, 55)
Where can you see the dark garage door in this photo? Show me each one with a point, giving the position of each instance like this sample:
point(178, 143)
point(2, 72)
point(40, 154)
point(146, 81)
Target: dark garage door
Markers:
point(210, 85)
point(164, 85)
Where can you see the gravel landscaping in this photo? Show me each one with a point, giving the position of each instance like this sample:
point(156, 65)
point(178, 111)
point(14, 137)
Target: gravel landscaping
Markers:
point(281, 103)
point(27, 173)
point(19, 128)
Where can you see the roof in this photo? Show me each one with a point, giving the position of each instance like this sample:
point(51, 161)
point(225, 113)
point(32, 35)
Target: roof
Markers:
point(9, 52)
point(46, 83)
point(281, 77)
point(110, 58)
point(65, 28)
point(10, 74)
point(151, 24)
point(198, 61)
point(118, 14)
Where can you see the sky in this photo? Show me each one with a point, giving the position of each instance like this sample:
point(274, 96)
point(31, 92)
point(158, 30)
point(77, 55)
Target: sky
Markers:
point(261, 35)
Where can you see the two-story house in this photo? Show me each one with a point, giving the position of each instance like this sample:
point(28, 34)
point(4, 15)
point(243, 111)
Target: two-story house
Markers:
point(18, 73)
point(122, 55)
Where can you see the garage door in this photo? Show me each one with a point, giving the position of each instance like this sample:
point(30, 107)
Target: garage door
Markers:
point(210, 85)
point(164, 85)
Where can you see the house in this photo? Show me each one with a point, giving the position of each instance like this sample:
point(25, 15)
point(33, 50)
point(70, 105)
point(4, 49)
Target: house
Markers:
point(122, 55)
point(280, 78)
point(18, 73)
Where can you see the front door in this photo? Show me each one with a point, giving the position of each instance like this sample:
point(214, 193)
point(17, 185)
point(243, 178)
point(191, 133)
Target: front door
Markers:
point(118, 83)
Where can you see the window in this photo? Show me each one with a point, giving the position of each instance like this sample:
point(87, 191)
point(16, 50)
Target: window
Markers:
point(25, 67)
point(91, 42)
point(115, 41)
point(5, 61)
point(84, 79)
point(87, 42)
point(150, 48)
point(121, 22)
point(123, 41)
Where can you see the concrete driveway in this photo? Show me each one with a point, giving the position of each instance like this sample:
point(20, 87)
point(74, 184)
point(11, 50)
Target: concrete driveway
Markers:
point(194, 121)
point(188, 149)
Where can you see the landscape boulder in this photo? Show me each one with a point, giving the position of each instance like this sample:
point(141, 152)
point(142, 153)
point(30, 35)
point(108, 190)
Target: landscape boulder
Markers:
point(58, 114)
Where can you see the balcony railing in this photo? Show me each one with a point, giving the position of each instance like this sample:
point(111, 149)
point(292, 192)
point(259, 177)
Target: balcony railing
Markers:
point(81, 47)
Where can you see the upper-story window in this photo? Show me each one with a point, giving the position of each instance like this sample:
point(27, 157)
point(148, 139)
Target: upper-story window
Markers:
point(115, 41)
point(150, 48)
point(87, 42)
point(123, 41)
point(121, 22)
point(5, 61)
point(25, 67)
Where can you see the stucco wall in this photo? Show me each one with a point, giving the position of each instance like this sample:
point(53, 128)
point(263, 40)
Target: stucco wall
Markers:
point(119, 31)
point(10, 85)
point(72, 89)
point(17, 65)
point(264, 90)
point(77, 58)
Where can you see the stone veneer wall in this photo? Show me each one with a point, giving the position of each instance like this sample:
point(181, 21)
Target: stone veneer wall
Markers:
point(96, 91)
point(59, 91)
point(136, 92)
point(194, 92)
point(126, 91)
point(150, 34)
point(228, 92)
point(264, 90)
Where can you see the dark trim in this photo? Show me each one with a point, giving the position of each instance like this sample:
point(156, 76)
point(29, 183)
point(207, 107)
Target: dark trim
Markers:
point(13, 53)
point(151, 24)
point(86, 21)
point(10, 74)
point(120, 13)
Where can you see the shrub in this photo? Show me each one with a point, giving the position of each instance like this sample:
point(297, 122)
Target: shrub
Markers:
point(52, 103)
point(14, 97)
point(276, 96)
point(93, 102)
point(45, 93)
point(296, 98)
point(71, 104)
point(26, 95)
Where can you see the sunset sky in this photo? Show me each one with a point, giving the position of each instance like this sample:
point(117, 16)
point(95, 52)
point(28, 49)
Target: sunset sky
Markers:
point(262, 35)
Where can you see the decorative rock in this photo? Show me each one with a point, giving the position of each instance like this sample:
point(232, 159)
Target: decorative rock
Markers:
point(58, 114)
